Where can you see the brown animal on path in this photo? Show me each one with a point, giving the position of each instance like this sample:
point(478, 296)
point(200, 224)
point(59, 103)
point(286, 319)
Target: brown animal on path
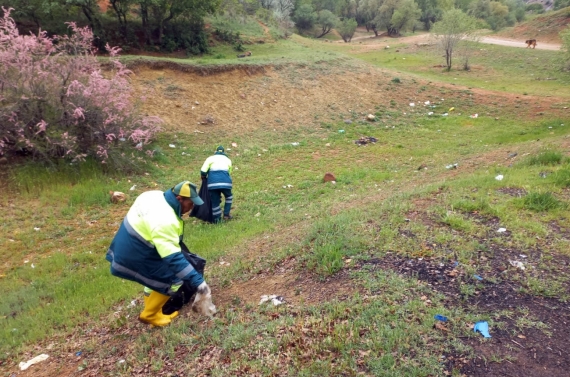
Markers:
point(530, 42)
point(247, 53)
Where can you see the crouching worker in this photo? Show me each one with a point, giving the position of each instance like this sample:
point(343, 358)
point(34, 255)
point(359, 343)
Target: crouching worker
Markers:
point(147, 250)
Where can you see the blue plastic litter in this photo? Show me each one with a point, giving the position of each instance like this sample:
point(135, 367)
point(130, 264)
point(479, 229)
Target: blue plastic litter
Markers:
point(477, 277)
point(78, 353)
point(440, 317)
point(483, 328)
point(455, 264)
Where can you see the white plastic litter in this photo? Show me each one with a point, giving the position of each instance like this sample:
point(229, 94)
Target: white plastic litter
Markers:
point(133, 188)
point(35, 360)
point(501, 230)
point(412, 104)
point(172, 145)
point(426, 103)
point(295, 144)
point(275, 300)
point(430, 113)
point(37, 229)
point(499, 177)
point(517, 264)
point(473, 116)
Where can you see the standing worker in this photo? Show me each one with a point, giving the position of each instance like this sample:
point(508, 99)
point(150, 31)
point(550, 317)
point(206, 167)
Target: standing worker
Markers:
point(147, 250)
point(216, 172)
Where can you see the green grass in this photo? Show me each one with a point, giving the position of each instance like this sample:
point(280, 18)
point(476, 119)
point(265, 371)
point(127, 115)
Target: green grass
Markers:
point(246, 27)
point(330, 233)
point(513, 70)
point(546, 158)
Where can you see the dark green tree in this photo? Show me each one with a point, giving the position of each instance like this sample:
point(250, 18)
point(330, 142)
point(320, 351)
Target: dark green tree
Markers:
point(346, 29)
point(327, 21)
point(305, 17)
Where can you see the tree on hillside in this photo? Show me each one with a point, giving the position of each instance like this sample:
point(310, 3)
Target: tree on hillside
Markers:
point(396, 15)
point(517, 11)
point(454, 28)
point(165, 11)
point(122, 9)
point(498, 15)
point(432, 10)
point(305, 17)
point(327, 21)
point(559, 4)
point(368, 11)
point(347, 28)
point(348, 9)
point(331, 5)
point(405, 16)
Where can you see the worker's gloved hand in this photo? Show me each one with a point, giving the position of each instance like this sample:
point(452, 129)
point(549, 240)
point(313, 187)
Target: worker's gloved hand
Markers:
point(203, 301)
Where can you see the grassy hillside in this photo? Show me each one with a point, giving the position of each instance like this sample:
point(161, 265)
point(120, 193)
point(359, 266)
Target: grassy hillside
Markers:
point(543, 27)
point(452, 200)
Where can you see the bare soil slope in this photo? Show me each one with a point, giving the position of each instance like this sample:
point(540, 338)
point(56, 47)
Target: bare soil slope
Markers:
point(280, 98)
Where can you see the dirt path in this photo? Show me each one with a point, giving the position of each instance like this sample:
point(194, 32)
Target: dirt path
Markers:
point(424, 38)
point(512, 43)
point(265, 30)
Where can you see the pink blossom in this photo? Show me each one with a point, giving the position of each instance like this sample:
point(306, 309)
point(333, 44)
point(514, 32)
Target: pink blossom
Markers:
point(62, 85)
point(41, 126)
point(78, 113)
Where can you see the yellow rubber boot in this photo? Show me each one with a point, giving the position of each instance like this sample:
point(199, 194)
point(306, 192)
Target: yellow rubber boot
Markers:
point(152, 313)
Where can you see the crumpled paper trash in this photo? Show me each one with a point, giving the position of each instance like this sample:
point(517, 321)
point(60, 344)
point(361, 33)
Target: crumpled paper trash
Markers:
point(25, 365)
point(275, 300)
point(203, 301)
point(517, 264)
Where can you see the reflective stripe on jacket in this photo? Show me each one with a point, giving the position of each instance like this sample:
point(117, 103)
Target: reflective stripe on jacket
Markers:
point(218, 169)
point(146, 249)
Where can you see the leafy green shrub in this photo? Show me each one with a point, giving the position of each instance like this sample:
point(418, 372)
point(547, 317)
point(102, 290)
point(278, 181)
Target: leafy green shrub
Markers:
point(346, 29)
point(188, 36)
point(305, 17)
point(559, 4)
point(540, 202)
point(535, 8)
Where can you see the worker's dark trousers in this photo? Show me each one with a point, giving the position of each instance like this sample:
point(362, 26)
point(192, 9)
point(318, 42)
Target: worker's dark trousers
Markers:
point(216, 196)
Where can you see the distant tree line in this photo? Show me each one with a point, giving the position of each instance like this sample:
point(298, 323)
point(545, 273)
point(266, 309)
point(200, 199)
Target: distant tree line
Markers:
point(394, 16)
point(143, 24)
point(179, 24)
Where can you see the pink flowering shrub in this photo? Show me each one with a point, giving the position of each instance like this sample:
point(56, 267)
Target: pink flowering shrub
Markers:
point(56, 103)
